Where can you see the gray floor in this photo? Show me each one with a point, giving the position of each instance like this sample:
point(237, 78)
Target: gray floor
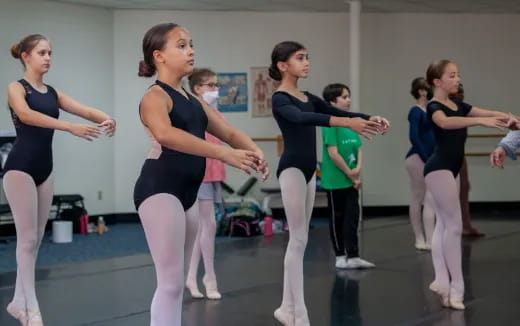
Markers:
point(117, 292)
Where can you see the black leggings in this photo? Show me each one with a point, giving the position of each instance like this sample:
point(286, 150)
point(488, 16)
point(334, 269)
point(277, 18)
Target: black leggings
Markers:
point(344, 221)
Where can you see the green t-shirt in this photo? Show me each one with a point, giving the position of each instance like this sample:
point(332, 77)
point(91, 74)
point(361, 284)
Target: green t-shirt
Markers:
point(348, 142)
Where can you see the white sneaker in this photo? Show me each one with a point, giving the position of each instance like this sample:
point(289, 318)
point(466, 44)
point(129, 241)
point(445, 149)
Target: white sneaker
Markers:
point(341, 262)
point(358, 263)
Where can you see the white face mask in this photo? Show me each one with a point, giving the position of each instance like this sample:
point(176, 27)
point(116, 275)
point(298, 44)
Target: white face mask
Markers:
point(211, 98)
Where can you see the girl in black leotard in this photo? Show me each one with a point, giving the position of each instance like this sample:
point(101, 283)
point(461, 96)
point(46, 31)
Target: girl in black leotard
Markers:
point(165, 193)
point(28, 181)
point(451, 120)
point(297, 114)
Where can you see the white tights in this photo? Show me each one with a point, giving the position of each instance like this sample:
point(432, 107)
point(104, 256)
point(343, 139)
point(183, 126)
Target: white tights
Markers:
point(446, 242)
point(170, 233)
point(30, 205)
point(421, 200)
point(298, 201)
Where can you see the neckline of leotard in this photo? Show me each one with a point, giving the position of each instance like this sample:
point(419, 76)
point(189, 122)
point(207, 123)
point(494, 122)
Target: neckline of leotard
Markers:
point(35, 89)
point(304, 92)
point(160, 83)
point(456, 104)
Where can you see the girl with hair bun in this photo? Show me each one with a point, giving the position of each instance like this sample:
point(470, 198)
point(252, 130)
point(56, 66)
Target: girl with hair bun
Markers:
point(165, 194)
point(297, 114)
point(28, 181)
point(451, 119)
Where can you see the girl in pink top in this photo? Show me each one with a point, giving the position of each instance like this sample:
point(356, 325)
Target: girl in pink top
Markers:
point(203, 84)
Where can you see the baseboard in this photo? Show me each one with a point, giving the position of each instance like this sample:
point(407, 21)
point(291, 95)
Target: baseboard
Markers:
point(510, 208)
point(115, 218)
point(478, 208)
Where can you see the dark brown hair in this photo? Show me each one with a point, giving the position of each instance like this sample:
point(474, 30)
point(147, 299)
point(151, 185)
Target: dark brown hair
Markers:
point(27, 44)
point(154, 39)
point(198, 76)
point(281, 53)
point(418, 84)
point(436, 70)
point(333, 91)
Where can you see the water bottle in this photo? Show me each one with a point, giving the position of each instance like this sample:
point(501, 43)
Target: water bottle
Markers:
point(268, 226)
point(101, 225)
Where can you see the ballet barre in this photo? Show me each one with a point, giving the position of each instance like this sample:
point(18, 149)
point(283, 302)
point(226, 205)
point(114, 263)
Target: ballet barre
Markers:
point(278, 139)
point(483, 154)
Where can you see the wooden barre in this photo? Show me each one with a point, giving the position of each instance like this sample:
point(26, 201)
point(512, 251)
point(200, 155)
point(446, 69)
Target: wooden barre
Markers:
point(477, 154)
point(272, 139)
point(278, 139)
point(486, 135)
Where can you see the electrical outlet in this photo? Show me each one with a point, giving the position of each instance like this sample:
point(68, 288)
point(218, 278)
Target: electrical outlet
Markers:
point(100, 195)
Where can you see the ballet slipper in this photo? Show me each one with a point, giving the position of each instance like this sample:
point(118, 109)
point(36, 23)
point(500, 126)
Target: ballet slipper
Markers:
point(34, 318)
point(285, 318)
point(17, 313)
point(211, 289)
point(302, 321)
point(194, 290)
point(456, 304)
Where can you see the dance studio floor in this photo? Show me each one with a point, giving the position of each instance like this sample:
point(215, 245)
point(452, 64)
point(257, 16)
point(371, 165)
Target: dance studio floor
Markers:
point(117, 292)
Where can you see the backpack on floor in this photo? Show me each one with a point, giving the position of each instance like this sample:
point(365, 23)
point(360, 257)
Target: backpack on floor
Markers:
point(244, 221)
point(73, 214)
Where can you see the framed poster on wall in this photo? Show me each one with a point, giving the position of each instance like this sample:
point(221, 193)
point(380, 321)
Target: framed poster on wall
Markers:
point(263, 89)
point(232, 93)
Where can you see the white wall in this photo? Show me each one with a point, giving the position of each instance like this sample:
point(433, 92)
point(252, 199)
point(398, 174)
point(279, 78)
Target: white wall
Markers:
point(226, 42)
point(96, 52)
point(82, 41)
point(397, 48)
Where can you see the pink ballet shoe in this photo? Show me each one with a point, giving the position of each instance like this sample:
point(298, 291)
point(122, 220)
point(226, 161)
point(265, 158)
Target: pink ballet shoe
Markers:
point(302, 321)
point(194, 290)
point(285, 318)
point(445, 298)
point(34, 318)
point(457, 304)
point(211, 289)
point(17, 313)
point(435, 288)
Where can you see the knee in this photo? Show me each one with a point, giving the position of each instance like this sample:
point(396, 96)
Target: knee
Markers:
point(208, 228)
point(171, 289)
point(298, 242)
point(454, 229)
point(211, 225)
point(28, 245)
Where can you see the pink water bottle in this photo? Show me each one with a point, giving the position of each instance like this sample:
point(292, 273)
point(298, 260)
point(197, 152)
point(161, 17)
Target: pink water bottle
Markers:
point(268, 226)
point(83, 223)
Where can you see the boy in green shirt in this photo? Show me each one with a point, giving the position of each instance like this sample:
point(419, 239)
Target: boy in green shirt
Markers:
point(341, 177)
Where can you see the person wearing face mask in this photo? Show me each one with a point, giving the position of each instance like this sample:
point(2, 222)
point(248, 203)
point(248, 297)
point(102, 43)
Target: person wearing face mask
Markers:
point(203, 83)
point(341, 177)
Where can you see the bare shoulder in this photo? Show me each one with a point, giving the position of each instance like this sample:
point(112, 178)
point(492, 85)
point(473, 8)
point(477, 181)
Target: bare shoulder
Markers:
point(16, 87)
point(156, 96)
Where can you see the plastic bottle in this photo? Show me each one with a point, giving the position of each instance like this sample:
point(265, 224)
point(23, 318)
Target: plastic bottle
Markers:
point(268, 226)
point(101, 225)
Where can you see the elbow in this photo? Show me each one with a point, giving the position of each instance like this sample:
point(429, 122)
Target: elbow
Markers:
point(164, 140)
point(443, 124)
point(25, 117)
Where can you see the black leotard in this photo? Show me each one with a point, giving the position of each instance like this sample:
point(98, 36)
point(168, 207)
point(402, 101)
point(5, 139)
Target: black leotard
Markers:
point(32, 150)
point(297, 121)
point(174, 172)
point(448, 153)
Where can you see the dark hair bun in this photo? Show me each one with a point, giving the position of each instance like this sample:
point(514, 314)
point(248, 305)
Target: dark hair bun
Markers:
point(274, 73)
point(15, 51)
point(145, 69)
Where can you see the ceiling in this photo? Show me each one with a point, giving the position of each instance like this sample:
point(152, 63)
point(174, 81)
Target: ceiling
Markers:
point(386, 6)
